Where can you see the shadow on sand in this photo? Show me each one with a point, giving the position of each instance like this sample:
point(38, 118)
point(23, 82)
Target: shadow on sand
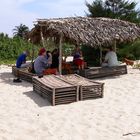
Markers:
point(7, 77)
point(39, 100)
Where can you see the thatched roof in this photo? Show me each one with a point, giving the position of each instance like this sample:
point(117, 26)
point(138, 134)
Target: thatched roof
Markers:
point(85, 30)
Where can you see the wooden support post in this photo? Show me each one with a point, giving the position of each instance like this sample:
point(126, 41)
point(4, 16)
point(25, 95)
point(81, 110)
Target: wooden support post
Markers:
point(60, 55)
point(42, 38)
point(77, 93)
point(81, 93)
point(33, 53)
point(53, 98)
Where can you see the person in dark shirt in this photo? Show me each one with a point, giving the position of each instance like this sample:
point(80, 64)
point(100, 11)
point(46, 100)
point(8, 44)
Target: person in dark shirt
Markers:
point(55, 59)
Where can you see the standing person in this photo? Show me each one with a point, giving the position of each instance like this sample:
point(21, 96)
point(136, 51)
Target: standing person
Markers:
point(21, 60)
point(55, 59)
point(110, 58)
point(78, 59)
point(40, 63)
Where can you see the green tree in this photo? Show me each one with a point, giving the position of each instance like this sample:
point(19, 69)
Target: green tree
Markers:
point(10, 48)
point(119, 9)
point(21, 31)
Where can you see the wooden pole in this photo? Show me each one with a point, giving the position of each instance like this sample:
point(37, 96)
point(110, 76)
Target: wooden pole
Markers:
point(33, 53)
point(60, 55)
point(42, 38)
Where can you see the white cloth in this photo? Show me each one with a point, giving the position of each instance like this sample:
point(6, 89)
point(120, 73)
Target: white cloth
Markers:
point(111, 59)
point(25, 65)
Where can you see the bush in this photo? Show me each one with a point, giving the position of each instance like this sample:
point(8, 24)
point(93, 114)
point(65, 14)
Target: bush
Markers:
point(130, 51)
point(12, 47)
point(91, 55)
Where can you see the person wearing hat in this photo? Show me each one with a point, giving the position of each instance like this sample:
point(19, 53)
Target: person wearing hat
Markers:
point(40, 63)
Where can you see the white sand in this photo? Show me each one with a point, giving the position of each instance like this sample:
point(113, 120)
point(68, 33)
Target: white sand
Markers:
point(24, 115)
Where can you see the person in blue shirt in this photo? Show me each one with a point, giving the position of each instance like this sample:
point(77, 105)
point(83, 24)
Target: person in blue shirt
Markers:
point(21, 63)
point(21, 60)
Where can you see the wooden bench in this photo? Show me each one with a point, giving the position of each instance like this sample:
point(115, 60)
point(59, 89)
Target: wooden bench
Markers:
point(15, 70)
point(55, 90)
point(23, 73)
point(88, 89)
point(97, 72)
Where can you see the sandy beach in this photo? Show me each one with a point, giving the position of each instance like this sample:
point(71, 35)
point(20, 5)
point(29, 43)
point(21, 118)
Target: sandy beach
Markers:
point(24, 115)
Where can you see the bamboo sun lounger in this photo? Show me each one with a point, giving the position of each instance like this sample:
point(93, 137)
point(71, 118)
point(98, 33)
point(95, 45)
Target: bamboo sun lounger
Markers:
point(23, 73)
point(97, 72)
point(88, 89)
point(55, 90)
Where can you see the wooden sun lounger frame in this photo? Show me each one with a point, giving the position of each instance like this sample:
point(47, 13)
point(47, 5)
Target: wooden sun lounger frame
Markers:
point(57, 95)
point(23, 73)
point(74, 92)
point(94, 90)
point(97, 72)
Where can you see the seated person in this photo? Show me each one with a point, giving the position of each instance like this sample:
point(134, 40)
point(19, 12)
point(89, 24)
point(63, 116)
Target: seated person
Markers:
point(21, 63)
point(110, 58)
point(40, 62)
point(55, 59)
point(78, 59)
point(21, 60)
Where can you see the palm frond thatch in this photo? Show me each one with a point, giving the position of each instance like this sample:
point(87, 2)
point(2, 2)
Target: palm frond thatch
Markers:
point(84, 30)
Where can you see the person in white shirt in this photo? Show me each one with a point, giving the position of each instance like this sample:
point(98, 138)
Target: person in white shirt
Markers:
point(110, 58)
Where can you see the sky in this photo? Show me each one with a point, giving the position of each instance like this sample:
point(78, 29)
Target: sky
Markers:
point(16, 12)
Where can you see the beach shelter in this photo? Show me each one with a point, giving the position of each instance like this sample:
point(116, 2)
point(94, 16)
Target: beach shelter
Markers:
point(94, 32)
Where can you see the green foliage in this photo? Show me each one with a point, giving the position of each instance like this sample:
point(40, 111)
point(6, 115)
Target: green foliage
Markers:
point(96, 9)
point(10, 48)
point(91, 56)
point(21, 31)
point(67, 49)
point(7, 62)
point(120, 9)
point(130, 51)
point(49, 44)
